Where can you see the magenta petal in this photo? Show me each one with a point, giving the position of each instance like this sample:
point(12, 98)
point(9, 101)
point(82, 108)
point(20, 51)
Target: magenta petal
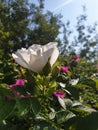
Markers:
point(59, 94)
point(20, 82)
point(64, 69)
point(12, 85)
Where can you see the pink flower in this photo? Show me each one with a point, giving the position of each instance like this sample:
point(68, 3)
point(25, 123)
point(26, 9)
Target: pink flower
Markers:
point(16, 92)
point(19, 82)
point(64, 69)
point(59, 94)
point(96, 65)
point(19, 95)
point(26, 96)
point(76, 58)
point(8, 98)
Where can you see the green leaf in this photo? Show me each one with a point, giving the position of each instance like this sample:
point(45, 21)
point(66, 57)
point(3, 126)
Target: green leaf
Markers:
point(88, 82)
point(74, 92)
point(4, 92)
point(43, 125)
point(55, 72)
point(96, 81)
point(76, 104)
point(68, 102)
point(3, 127)
point(63, 116)
point(52, 115)
point(23, 105)
point(81, 110)
point(35, 105)
point(62, 102)
point(47, 68)
point(6, 108)
point(20, 89)
point(69, 73)
point(62, 85)
point(4, 86)
point(89, 122)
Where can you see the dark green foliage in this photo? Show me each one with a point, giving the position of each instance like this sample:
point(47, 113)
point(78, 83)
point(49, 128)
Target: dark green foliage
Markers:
point(35, 107)
point(23, 24)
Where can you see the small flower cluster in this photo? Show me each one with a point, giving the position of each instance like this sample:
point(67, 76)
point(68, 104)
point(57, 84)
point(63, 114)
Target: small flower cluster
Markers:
point(65, 70)
point(19, 83)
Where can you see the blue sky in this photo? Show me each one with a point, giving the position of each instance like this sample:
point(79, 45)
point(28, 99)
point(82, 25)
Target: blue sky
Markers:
point(70, 9)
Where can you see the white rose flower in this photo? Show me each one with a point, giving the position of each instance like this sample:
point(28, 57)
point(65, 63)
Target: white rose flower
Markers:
point(36, 56)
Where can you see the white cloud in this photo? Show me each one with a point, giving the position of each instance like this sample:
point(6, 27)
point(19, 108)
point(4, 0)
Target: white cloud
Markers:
point(66, 2)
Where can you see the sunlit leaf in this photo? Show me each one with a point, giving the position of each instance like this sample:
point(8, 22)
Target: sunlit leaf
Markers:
point(62, 102)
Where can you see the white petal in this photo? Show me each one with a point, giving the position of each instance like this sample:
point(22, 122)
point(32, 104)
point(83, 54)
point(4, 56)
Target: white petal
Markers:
point(49, 46)
point(35, 47)
point(20, 61)
point(36, 56)
point(54, 56)
point(30, 51)
point(23, 54)
point(37, 63)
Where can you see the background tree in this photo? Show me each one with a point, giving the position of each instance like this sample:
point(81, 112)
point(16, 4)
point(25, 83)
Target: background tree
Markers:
point(87, 36)
point(44, 27)
point(84, 38)
point(14, 19)
point(26, 24)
